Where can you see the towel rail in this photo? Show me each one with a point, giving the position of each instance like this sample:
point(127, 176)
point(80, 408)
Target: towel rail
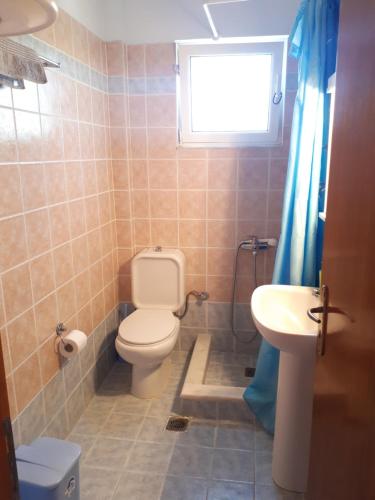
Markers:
point(48, 63)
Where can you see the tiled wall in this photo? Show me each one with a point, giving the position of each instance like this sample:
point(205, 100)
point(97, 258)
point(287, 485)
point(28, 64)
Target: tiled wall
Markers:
point(203, 201)
point(90, 174)
point(58, 259)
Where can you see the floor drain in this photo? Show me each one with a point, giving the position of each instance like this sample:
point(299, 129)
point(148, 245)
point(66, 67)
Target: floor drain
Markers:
point(249, 372)
point(177, 424)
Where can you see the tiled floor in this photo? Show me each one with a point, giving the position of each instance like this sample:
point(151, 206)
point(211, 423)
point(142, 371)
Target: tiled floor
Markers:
point(127, 454)
point(228, 368)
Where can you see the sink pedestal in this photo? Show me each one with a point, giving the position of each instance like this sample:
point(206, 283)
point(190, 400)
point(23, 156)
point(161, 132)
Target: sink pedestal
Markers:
point(291, 449)
point(280, 314)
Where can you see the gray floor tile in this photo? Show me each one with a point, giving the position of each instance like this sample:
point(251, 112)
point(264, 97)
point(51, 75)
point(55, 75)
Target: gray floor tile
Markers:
point(216, 357)
point(199, 409)
point(130, 404)
point(191, 461)
point(234, 375)
point(125, 445)
point(90, 423)
point(173, 387)
point(263, 468)
point(103, 404)
point(237, 359)
point(235, 436)
point(150, 457)
point(139, 486)
point(273, 492)
point(122, 426)
point(85, 442)
point(98, 484)
point(199, 433)
point(180, 357)
point(235, 412)
point(213, 374)
point(153, 429)
point(225, 490)
point(164, 406)
point(117, 382)
point(179, 488)
point(233, 465)
point(108, 452)
point(263, 440)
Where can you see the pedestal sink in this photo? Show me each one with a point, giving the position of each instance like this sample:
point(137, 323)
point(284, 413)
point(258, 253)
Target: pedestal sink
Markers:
point(280, 314)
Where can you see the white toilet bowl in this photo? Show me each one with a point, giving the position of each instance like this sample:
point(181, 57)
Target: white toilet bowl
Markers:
point(148, 335)
point(146, 338)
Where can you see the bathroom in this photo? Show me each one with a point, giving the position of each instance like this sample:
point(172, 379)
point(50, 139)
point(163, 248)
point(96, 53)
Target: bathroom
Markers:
point(170, 314)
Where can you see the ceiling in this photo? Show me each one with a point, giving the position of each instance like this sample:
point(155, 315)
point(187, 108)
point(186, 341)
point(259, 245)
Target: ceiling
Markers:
point(153, 21)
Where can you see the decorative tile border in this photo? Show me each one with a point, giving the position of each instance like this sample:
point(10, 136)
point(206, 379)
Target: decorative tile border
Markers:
point(84, 74)
point(69, 65)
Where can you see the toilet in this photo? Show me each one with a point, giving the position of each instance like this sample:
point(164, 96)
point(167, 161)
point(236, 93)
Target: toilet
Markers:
point(147, 336)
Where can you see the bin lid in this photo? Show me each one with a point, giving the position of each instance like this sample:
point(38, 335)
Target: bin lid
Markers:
point(51, 457)
point(38, 475)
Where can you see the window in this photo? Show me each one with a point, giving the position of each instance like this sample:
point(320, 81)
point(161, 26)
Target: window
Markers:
point(230, 93)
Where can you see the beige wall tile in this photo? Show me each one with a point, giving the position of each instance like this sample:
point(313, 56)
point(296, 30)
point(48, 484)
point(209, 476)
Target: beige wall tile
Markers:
point(7, 136)
point(13, 247)
point(162, 143)
point(59, 219)
point(163, 174)
point(27, 381)
point(33, 186)
point(29, 136)
point(192, 233)
point(46, 317)
point(42, 276)
point(17, 291)
point(37, 232)
point(160, 59)
point(63, 263)
point(136, 61)
point(66, 300)
point(63, 32)
point(22, 337)
point(193, 174)
point(163, 204)
point(10, 200)
point(49, 359)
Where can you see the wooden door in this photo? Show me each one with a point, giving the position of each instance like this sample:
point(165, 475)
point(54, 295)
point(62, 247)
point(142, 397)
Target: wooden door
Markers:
point(8, 471)
point(342, 465)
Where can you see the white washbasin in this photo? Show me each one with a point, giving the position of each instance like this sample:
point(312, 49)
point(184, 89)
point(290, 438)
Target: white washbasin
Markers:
point(18, 17)
point(280, 314)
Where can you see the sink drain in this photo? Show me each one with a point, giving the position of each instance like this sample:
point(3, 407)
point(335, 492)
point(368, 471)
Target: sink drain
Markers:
point(177, 424)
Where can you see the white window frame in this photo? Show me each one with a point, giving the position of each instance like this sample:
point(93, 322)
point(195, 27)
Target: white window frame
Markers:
point(185, 49)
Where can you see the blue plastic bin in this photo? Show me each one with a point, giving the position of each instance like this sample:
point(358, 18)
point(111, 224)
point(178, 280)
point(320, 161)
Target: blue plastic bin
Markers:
point(48, 469)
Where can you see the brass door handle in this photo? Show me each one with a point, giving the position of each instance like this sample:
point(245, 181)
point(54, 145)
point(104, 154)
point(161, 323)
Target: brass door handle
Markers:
point(324, 310)
point(320, 310)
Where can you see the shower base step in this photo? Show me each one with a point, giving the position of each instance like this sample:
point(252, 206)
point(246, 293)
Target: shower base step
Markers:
point(194, 387)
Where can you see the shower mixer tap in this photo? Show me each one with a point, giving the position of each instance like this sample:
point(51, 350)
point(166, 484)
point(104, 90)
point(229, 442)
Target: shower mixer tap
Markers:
point(254, 243)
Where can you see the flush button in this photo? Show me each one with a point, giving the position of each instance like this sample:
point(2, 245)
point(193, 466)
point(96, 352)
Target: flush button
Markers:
point(158, 248)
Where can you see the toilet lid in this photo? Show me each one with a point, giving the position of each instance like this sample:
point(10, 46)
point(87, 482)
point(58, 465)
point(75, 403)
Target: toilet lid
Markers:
point(147, 326)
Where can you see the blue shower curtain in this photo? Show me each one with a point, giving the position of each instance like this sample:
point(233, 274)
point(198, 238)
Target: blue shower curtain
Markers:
point(314, 42)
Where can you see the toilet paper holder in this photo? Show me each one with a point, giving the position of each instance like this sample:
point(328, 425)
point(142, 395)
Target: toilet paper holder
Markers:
point(60, 328)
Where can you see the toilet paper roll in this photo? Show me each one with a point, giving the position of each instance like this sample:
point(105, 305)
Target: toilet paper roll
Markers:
point(72, 344)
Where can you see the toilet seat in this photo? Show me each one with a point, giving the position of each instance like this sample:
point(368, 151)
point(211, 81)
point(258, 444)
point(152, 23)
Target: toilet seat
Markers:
point(147, 327)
